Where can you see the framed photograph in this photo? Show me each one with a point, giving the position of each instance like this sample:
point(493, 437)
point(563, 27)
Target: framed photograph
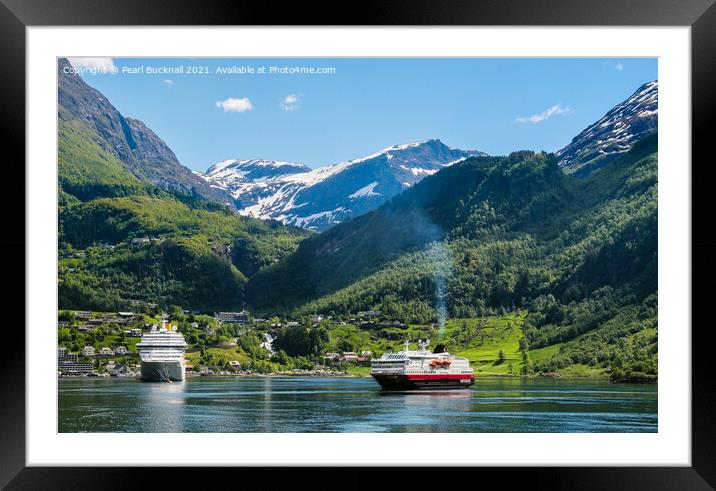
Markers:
point(441, 237)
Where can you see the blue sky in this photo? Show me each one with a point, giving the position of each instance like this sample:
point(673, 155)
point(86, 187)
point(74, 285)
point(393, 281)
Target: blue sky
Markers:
point(496, 105)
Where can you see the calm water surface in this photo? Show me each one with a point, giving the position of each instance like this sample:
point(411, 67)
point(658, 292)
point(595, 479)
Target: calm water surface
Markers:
point(308, 404)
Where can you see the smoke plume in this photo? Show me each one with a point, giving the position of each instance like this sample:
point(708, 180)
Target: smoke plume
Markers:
point(441, 259)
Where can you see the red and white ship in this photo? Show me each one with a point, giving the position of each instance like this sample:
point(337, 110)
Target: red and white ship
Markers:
point(422, 369)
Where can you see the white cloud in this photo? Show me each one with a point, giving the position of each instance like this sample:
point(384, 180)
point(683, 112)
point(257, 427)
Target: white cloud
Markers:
point(547, 113)
point(104, 65)
point(234, 104)
point(169, 82)
point(619, 67)
point(290, 102)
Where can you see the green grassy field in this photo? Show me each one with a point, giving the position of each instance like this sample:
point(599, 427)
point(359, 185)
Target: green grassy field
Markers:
point(544, 353)
point(483, 340)
point(359, 371)
point(579, 370)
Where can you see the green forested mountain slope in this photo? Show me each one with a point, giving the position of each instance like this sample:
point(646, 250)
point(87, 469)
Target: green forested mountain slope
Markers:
point(201, 258)
point(434, 209)
point(203, 252)
point(521, 210)
point(86, 171)
point(496, 234)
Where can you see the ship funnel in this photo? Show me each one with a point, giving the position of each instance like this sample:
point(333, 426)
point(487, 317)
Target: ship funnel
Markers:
point(440, 348)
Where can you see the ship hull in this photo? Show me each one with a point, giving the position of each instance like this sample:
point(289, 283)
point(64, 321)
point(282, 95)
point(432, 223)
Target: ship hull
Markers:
point(424, 381)
point(154, 371)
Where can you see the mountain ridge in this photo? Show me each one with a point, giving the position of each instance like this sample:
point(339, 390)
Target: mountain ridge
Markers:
point(320, 198)
point(141, 151)
point(612, 134)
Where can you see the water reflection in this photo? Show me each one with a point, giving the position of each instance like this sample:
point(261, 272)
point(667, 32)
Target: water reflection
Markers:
point(297, 404)
point(455, 394)
point(165, 407)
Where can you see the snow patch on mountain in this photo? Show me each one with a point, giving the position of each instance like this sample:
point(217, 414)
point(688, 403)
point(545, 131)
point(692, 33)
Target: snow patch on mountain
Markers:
point(304, 221)
point(416, 171)
point(365, 191)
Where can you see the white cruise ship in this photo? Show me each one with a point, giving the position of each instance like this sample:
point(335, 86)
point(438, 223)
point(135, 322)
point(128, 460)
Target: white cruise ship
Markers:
point(422, 369)
point(162, 354)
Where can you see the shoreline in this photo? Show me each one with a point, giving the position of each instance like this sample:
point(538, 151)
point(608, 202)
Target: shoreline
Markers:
point(350, 375)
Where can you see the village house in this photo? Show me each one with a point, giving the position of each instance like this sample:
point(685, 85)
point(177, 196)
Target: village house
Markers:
point(106, 352)
point(88, 351)
point(349, 356)
point(121, 350)
point(330, 358)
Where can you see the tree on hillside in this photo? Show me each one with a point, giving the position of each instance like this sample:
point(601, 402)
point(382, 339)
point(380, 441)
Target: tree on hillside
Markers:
point(526, 369)
point(523, 344)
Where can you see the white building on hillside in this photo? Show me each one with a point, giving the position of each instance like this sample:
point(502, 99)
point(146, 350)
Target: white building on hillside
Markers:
point(232, 317)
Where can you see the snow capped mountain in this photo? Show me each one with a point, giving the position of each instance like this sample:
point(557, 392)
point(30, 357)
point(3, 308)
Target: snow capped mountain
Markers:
point(613, 134)
point(320, 198)
point(252, 170)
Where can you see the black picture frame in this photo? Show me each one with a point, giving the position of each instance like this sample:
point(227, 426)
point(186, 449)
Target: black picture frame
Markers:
point(700, 15)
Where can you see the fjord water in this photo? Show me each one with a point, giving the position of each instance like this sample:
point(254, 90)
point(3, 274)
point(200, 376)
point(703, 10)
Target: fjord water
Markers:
point(303, 404)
